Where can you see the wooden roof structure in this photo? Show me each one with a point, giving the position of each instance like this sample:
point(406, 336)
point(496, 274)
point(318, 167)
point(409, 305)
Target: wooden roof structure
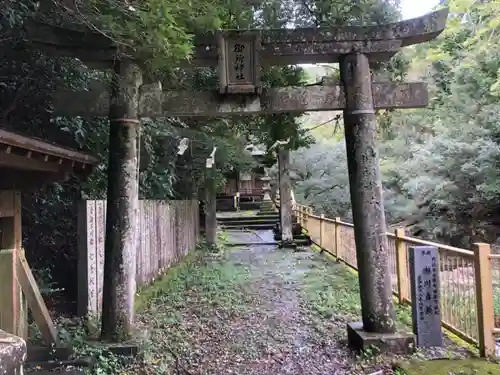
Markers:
point(28, 162)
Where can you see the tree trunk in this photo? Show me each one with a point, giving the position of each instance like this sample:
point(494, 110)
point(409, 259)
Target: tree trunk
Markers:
point(366, 196)
point(285, 195)
point(122, 204)
point(210, 208)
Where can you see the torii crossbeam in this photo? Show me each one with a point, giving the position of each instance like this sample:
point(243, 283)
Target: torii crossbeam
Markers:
point(154, 102)
point(263, 47)
point(278, 46)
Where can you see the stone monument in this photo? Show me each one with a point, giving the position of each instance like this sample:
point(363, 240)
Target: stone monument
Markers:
point(425, 294)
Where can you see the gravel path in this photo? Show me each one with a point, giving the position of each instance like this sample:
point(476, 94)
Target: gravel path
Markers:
point(256, 324)
point(284, 329)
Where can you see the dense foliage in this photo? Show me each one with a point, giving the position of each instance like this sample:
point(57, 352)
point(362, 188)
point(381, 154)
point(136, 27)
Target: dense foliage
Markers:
point(440, 164)
point(159, 33)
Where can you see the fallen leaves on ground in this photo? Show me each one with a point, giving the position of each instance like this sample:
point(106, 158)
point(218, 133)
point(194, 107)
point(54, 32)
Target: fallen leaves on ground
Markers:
point(252, 311)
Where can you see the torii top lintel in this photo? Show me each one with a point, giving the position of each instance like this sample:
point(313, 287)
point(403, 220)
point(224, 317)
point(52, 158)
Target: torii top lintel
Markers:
point(326, 45)
point(277, 46)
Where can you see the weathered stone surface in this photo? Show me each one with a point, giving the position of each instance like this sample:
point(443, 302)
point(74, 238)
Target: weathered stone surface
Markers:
point(395, 343)
point(366, 197)
point(425, 292)
point(282, 46)
point(326, 45)
point(306, 52)
point(157, 103)
point(285, 186)
point(239, 63)
point(60, 41)
point(407, 30)
point(12, 354)
point(122, 204)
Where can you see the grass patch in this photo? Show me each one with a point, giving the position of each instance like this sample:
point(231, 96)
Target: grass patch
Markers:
point(171, 312)
point(332, 289)
point(199, 277)
point(147, 294)
point(449, 367)
point(182, 305)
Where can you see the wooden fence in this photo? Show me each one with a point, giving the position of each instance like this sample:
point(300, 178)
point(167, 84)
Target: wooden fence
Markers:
point(470, 278)
point(166, 232)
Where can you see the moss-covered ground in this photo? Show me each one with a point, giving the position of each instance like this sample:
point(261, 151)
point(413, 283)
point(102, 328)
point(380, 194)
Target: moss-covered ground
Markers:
point(447, 367)
point(256, 310)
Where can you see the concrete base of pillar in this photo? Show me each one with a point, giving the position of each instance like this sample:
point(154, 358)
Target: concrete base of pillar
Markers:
point(395, 343)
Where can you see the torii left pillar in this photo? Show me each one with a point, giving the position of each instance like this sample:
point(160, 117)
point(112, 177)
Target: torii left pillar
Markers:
point(122, 204)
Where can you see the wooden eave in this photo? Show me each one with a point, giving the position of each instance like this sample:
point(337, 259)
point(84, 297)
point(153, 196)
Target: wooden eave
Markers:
point(31, 155)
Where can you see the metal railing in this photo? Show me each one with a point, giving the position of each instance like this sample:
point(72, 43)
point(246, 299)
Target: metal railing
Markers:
point(470, 278)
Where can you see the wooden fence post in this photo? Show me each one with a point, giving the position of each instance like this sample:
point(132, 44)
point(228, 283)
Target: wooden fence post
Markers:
point(484, 299)
point(9, 298)
point(305, 218)
point(337, 239)
point(91, 233)
point(15, 317)
point(321, 230)
point(402, 266)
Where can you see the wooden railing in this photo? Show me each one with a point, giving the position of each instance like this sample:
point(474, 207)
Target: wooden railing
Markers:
point(470, 278)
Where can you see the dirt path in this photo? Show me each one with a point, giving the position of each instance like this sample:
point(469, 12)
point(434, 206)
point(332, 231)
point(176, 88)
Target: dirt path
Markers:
point(284, 328)
point(248, 312)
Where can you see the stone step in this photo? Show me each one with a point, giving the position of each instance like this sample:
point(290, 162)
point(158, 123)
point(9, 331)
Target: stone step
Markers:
point(249, 206)
point(250, 226)
point(295, 236)
point(247, 218)
point(301, 242)
point(246, 222)
point(268, 212)
point(247, 244)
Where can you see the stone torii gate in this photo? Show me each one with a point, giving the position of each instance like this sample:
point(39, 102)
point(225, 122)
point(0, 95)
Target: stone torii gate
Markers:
point(239, 55)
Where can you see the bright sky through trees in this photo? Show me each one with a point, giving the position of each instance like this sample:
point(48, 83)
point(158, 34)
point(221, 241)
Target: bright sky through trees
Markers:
point(417, 8)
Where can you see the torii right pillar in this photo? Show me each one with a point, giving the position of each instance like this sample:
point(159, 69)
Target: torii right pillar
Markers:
point(378, 326)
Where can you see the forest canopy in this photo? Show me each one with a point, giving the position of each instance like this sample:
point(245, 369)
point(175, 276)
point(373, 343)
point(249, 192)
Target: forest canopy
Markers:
point(440, 164)
point(160, 32)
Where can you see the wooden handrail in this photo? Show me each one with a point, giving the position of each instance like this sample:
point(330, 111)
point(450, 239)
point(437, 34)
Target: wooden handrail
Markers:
point(481, 332)
point(412, 240)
